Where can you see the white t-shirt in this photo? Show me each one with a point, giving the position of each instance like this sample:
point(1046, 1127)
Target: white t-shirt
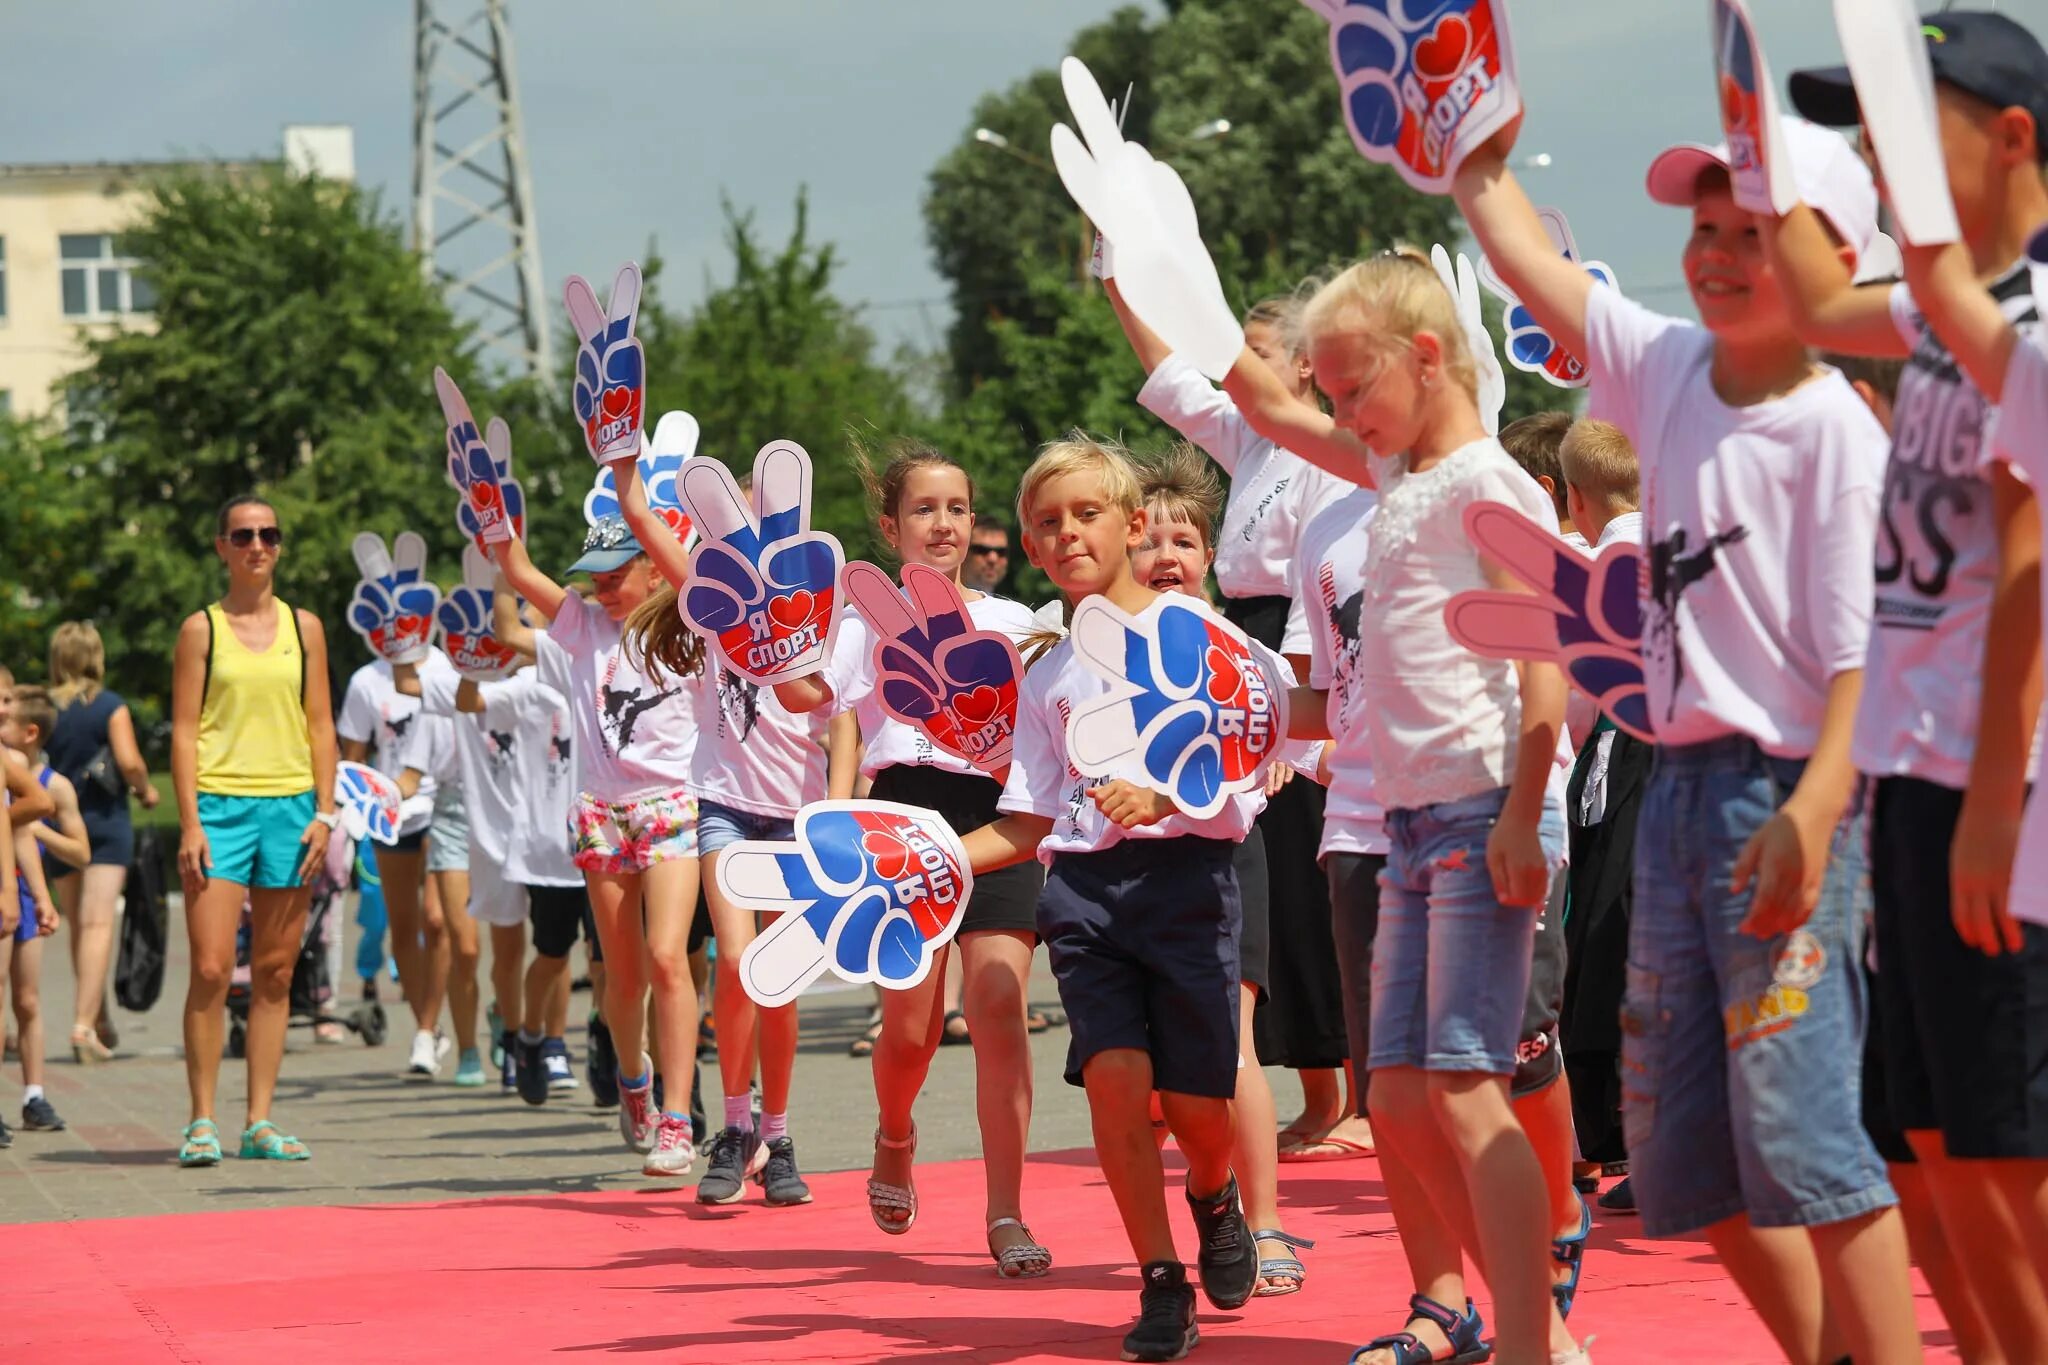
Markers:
point(753, 754)
point(2019, 433)
point(1760, 522)
point(634, 735)
point(1323, 624)
point(1937, 560)
point(518, 772)
point(1273, 492)
point(1044, 782)
point(851, 675)
point(375, 713)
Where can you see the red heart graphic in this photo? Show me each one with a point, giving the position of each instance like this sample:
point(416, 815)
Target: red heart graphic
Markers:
point(484, 496)
point(979, 705)
point(675, 520)
point(1441, 55)
point(616, 403)
point(409, 626)
point(794, 610)
point(891, 854)
point(1225, 678)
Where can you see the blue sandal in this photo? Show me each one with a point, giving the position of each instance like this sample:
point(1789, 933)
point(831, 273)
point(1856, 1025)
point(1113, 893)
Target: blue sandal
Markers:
point(1466, 1334)
point(201, 1148)
point(1286, 1268)
point(262, 1141)
point(1571, 1251)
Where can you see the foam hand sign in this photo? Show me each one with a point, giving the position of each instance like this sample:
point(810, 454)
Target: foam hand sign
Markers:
point(1424, 82)
point(934, 670)
point(393, 609)
point(493, 506)
point(1583, 613)
point(368, 801)
point(1759, 163)
point(1463, 286)
point(661, 460)
point(611, 369)
point(870, 890)
point(1531, 349)
point(465, 620)
point(764, 587)
point(1195, 710)
point(1887, 52)
point(1143, 211)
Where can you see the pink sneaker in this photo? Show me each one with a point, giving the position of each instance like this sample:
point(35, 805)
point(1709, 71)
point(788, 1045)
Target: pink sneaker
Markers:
point(638, 1117)
point(673, 1153)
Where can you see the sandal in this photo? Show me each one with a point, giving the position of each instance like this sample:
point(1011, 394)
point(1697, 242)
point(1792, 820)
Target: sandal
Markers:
point(1038, 1021)
point(262, 1142)
point(87, 1049)
point(1284, 1268)
point(949, 1038)
point(201, 1148)
point(864, 1046)
point(1571, 1251)
point(1027, 1260)
point(1467, 1336)
point(884, 1197)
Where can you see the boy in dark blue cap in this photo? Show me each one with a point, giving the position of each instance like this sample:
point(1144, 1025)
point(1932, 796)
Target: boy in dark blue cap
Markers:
point(1951, 684)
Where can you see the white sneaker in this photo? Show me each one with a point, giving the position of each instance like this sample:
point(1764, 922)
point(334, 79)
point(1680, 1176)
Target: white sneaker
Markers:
point(427, 1051)
point(638, 1118)
point(673, 1153)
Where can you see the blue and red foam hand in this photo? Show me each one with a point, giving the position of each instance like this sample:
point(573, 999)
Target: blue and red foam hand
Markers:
point(369, 802)
point(610, 394)
point(764, 587)
point(934, 669)
point(393, 607)
point(465, 620)
point(869, 890)
point(493, 506)
point(660, 462)
point(1196, 711)
point(1531, 349)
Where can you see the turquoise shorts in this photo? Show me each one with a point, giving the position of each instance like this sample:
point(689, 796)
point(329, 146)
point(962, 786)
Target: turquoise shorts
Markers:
point(254, 840)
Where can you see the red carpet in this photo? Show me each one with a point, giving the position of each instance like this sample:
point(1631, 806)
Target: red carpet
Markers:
point(647, 1273)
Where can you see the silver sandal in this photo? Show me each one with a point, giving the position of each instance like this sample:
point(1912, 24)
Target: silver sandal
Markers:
point(1281, 1267)
point(1025, 1261)
point(884, 1197)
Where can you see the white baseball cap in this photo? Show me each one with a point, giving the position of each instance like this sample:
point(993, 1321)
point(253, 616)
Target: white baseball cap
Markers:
point(1831, 177)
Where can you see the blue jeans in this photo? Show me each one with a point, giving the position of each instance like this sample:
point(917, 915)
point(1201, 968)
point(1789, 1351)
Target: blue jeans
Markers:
point(1741, 1057)
point(1450, 963)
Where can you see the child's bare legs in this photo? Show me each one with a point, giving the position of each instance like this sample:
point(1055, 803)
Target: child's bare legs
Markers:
point(508, 962)
point(1867, 1282)
point(465, 954)
point(1986, 1242)
point(1776, 1271)
point(1119, 1085)
point(739, 1044)
point(25, 973)
point(1254, 1152)
point(997, 967)
point(671, 891)
point(1546, 1117)
point(912, 1021)
point(419, 949)
point(1436, 1261)
point(2024, 1184)
point(950, 992)
point(1322, 1106)
point(615, 907)
point(545, 1008)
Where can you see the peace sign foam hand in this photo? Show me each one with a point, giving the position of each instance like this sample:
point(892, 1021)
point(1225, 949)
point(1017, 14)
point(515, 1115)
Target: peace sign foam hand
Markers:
point(763, 588)
point(870, 890)
point(1463, 287)
point(393, 608)
point(1582, 613)
point(493, 506)
point(465, 619)
point(1423, 82)
point(1759, 161)
point(611, 368)
point(1195, 710)
point(1531, 349)
point(1143, 210)
point(369, 802)
point(661, 460)
point(934, 670)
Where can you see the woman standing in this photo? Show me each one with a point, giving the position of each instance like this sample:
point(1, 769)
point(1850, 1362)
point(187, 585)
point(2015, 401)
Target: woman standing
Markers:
point(252, 760)
point(93, 745)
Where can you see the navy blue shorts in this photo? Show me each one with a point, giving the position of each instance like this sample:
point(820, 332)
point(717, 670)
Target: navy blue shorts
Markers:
point(1144, 938)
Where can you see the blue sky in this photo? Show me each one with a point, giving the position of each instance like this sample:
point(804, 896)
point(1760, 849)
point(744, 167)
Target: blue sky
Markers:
point(639, 113)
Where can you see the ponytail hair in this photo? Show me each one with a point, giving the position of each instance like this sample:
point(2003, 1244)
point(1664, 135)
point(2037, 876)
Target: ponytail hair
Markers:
point(1388, 300)
point(656, 640)
point(1181, 485)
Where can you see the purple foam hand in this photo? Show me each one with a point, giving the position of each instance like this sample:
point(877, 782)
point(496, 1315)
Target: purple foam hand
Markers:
point(934, 669)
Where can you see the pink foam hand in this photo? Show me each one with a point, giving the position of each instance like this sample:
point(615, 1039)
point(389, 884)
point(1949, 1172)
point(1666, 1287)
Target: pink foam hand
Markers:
point(610, 393)
point(934, 669)
point(1583, 613)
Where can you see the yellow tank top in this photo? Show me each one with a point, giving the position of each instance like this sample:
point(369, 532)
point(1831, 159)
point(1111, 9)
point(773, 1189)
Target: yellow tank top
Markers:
point(252, 723)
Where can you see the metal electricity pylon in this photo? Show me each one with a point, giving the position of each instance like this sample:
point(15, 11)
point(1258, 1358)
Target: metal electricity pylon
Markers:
point(472, 198)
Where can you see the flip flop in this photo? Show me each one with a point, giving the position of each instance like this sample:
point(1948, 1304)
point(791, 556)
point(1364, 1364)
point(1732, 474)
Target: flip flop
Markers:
point(1326, 1149)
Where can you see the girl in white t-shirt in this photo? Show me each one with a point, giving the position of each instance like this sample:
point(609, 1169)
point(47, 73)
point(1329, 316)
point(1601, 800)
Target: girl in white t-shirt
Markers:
point(635, 818)
point(924, 508)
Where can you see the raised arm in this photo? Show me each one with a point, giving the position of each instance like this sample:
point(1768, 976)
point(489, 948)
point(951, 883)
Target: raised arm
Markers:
point(1293, 425)
point(512, 632)
point(1505, 225)
point(519, 570)
point(651, 531)
point(1829, 310)
point(1963, 313)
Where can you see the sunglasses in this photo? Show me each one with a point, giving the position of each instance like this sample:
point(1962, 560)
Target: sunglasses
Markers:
point(1002, 550)
point(242, 537)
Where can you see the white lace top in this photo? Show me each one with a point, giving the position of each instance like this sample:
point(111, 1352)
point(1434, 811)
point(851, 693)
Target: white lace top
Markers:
point(1444, 719)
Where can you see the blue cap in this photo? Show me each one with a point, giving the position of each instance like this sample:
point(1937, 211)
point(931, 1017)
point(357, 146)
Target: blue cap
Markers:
point(1989, 55)
point(609, 545)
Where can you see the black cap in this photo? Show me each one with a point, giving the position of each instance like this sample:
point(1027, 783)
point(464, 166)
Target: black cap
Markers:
point(1978, 52)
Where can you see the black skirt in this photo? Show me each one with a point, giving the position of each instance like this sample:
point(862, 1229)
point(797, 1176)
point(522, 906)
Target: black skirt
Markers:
point(1003, 900)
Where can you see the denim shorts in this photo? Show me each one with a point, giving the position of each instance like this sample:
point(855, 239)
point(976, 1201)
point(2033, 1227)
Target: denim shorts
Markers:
point(1450, 963)
point(448, 836)
point(1741, 1058)
point(720, 826)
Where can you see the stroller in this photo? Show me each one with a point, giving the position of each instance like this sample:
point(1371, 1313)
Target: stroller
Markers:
point(311, 989)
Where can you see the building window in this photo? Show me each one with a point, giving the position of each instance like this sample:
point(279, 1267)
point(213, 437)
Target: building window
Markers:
point(100, 279)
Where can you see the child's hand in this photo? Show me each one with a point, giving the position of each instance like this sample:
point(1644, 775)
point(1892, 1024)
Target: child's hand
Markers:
point(1516, 860)
point(1786, 861)
point(10, 915)
point(46, 917)
point(1278, 776)
point(1980, 872)
point(1130, 805)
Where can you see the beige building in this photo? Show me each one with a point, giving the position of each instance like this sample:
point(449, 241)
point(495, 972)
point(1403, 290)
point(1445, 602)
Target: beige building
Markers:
point(64, 271)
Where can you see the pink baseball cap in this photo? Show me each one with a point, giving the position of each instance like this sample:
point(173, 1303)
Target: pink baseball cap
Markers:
point(1831, 178)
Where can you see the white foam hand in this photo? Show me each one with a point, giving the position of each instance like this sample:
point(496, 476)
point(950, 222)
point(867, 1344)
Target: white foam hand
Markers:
point(1144, 213)
point(1887, 54)
point(1463, 284)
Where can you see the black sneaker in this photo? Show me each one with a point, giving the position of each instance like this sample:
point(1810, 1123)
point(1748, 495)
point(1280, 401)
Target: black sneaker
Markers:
point(779, 1180)
point(531, 1069)
point(6, 1138)
point(1165, 1329)
point(601, 1066)
point(1620, 1199)
point(38, 1117)
point(1229, 1259)
point(725, 1179)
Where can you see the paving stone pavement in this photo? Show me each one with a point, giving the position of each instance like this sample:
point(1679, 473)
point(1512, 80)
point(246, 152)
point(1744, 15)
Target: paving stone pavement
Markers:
point(377, 1138)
